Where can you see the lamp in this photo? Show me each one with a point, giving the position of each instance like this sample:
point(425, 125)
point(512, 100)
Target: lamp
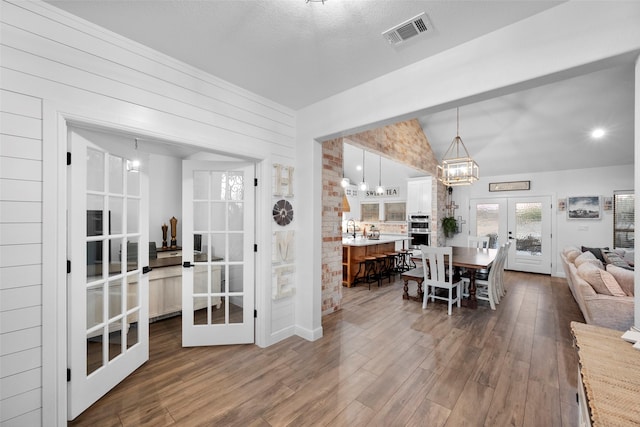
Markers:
point(363, 186)
point(456, 169)
point(345, 182)
point(379, 188)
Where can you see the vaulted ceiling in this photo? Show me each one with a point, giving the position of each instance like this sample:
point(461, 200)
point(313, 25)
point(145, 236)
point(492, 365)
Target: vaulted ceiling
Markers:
point(297, 53)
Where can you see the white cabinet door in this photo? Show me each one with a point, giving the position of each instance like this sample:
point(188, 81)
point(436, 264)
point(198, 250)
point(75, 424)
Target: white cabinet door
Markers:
point(419, 195)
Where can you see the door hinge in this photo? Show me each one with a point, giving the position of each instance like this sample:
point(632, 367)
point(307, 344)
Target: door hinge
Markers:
point(68, 375)
point(255, 182)
point(68, 158)
point(255, 248)
point(68, 267)
point(255, 314)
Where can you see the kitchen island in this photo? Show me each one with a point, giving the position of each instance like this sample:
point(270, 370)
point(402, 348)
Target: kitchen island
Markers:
point(355, 249)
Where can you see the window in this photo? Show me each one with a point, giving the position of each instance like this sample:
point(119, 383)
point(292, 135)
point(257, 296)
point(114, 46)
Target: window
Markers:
point(623, 219)
point(370, 211)
point(396, 211)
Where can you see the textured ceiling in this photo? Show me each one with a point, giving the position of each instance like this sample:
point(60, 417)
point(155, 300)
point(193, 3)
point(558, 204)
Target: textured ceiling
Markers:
point(293, 52)
point(296, 53)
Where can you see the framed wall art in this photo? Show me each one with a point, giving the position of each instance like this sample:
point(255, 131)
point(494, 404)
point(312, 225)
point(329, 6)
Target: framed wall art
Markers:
point(583, 207)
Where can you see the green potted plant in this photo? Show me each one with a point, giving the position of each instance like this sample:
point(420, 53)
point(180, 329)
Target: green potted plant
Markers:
point(449, 226)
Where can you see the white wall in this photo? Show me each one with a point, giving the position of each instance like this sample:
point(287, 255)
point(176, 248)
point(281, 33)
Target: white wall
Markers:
point(559, 185)
point(57, 69)
point(165, 194)
point(578, 37)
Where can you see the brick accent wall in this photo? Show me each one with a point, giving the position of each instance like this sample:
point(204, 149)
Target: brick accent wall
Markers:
point(404, 142)
point(332, 172)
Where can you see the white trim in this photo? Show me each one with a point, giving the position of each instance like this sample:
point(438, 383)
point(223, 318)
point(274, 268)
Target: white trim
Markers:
point(56, 118)
point(309, 334)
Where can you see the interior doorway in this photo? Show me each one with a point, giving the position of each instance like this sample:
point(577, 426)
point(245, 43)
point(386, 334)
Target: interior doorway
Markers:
point(116, 186)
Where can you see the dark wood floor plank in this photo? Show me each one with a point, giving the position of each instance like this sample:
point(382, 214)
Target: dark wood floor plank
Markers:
point(382, 361)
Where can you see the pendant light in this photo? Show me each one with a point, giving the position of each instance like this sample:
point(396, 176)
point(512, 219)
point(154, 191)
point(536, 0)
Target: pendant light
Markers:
point(134, 165)
point(379, 188)
point(363, 186)
point(457, 167)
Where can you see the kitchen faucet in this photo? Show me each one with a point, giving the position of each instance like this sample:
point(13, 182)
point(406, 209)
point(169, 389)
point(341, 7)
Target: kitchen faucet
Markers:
point(351, 222)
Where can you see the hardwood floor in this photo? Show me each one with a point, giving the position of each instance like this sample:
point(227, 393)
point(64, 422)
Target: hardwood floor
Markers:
point(383, 361)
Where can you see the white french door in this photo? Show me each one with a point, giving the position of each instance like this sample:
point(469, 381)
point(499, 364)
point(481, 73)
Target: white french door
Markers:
point(525, 221)
point(218, 253)
point(107, 287)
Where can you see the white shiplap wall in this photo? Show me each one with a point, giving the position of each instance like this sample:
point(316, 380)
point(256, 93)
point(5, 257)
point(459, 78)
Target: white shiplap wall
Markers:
point(56, 64)
point(20, 258)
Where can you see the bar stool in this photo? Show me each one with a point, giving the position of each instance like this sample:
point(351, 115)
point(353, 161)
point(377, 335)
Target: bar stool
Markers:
point(404, 260)
point(382, 267)
point(392, 262)
point(370, 272)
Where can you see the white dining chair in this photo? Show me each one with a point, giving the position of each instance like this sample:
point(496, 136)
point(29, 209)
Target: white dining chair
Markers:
point(438, 273)
point(480, 242)
point(487, 289)
point(501, 289)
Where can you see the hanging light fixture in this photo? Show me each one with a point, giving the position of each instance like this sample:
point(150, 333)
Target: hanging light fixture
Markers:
point(457, 168)
point(345, 182)
point(316, 1)
point(363, 186)
point(134, 165)
point(379, 188)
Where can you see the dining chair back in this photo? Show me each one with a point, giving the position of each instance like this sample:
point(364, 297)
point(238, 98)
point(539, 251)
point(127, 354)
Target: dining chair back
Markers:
point(478, 242)
point(438, 273)
point(488, 290)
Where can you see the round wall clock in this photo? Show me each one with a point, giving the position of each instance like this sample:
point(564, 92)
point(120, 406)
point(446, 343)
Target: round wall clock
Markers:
point(282, 212)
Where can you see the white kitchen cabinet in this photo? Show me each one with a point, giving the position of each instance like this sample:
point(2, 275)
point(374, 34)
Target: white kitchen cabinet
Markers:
point(419, 195)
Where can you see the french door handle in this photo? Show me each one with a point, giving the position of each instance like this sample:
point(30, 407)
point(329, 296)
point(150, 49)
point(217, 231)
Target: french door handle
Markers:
point(187, 264)
point(146, 269)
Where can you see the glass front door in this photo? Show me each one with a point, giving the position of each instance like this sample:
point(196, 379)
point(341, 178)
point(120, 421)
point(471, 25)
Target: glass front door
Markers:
point(525, 221)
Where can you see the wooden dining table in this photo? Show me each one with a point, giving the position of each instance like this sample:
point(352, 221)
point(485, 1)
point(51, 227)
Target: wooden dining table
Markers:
point(472, 259)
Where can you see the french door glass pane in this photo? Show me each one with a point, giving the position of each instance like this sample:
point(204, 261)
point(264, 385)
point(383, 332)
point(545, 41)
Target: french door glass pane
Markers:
point(218, 217)
point(133, 216)
point(115, 339)
point(200, 216)
point(115, 298)
point(95, 170)
point(236, 247)
point(94, 306)
point(116, 211)
point(235, 309)
point(488, 221)
point(94, 353)
point(115, 175)
point(133, 183)
point(133, 292)
point(132, 334)
point(236, 279)
point(529, 228)
point(236, 214)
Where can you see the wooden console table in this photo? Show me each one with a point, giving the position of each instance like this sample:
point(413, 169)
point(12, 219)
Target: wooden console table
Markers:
point(609, 389)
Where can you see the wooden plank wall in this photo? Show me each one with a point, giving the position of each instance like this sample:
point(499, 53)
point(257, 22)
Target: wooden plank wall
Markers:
point(20, 257)
point(52, 58)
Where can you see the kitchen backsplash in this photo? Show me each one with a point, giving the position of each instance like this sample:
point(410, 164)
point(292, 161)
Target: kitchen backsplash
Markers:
point(382, 227)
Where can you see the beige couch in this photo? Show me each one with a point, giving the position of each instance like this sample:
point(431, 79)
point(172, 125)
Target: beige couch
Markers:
point(603, 291)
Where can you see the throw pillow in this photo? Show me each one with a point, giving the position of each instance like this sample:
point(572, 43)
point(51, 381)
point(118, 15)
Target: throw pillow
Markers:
point(588, 257)
point(568, 249)
point(596, 251)
point(624, 277)
point(572, 255)
point(601, 281)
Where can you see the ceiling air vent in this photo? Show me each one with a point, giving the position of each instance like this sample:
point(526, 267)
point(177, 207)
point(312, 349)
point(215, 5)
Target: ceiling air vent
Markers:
point(408, 29)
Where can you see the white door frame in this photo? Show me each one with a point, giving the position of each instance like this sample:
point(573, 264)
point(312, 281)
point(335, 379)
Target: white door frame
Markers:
point(55, 119)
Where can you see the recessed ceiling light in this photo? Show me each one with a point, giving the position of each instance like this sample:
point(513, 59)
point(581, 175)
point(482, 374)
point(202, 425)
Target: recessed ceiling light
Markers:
point(359, 167)
point(598, 133)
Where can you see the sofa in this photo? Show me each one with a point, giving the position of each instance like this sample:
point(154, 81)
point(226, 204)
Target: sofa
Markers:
point(602, 283)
